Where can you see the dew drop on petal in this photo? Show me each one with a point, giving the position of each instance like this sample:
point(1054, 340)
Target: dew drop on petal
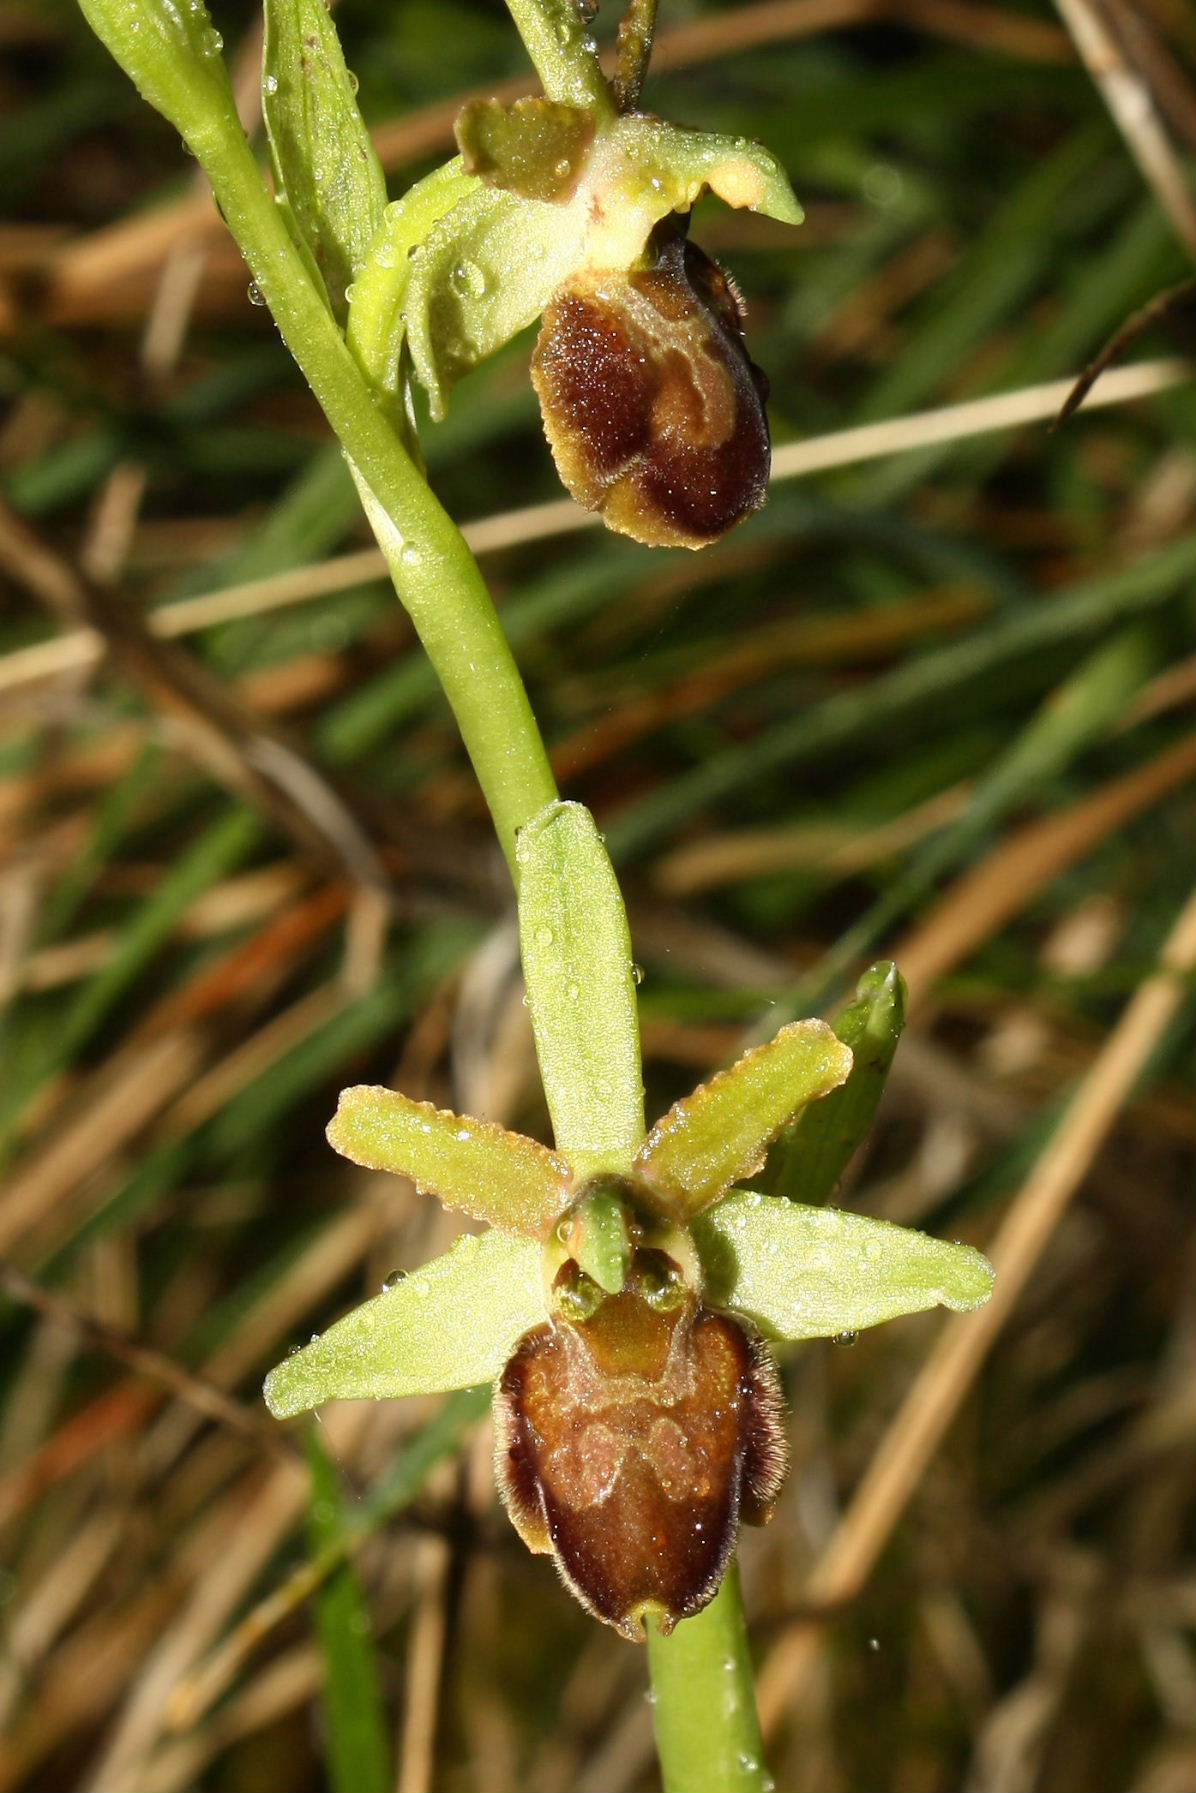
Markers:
point(468, 281)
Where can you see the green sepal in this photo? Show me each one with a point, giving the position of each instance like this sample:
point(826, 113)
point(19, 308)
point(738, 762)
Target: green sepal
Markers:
point(450, 1324)
point(329, 179)
point(811, 1155)
point(476, 1166)
point(580, 980)
point(485, 272)
point(807, 1273)
point(535, 148)
point(719, 1135)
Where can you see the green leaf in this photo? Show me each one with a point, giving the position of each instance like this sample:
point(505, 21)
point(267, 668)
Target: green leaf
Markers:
point(812, 1154)
point(719, 1134)
point(485, 272)
point(580, 979)
point(330, 181)
point(503, 1178)
point(358, 1754)
point(451, 1324)
point(807, 1273)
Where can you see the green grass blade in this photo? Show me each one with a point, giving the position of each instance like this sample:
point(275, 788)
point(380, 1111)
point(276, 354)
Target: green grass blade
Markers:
point(357, 1746)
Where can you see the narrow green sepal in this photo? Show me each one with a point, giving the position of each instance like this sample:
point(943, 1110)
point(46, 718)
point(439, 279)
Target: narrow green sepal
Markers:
point(330, 182)
point(580, 979)
point(535, 148)
point(807, 1273)
point(811, 1155)
point(504, 1178)
point(719, 1135)
point(450, 1324)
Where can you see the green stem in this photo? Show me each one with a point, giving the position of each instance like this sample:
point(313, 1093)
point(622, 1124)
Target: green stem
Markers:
point(435, 575)
point(563, 54)
point(707, 1731)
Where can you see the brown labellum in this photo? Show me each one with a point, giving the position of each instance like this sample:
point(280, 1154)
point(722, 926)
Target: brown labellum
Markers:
point(652, 408)
point(629, 1445)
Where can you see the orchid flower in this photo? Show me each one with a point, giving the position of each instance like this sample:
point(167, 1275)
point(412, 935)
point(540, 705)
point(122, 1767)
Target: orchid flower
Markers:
point(626, 1297)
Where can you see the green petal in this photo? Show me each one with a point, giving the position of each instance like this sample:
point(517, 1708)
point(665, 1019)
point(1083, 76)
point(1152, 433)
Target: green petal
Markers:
point(580, 989)
point(807, 1273)
point(812, 1154)
point(451, 1324)
point(485, 272)
point(720, 1134)
point(683, 164)
point(504, 1178)
point(377, 328)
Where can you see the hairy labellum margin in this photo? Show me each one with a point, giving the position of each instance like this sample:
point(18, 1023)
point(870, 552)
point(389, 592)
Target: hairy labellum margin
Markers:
point(652, 407)
point(630, 1444)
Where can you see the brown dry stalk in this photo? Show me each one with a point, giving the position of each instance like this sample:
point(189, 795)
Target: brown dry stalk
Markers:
point(155, 1366)
point(1127, 93)
point(986, 896)
point(540, 522)
point(964, 1342)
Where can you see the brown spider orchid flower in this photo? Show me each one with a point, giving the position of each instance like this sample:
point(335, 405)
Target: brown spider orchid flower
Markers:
point(652, 407)
point(625, 1298)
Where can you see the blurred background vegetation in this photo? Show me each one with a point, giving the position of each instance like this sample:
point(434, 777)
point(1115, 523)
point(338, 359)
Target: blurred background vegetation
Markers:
point(934, 704)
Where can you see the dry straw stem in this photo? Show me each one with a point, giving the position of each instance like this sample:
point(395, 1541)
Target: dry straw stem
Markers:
point(204, 1396)
point(538, 522)
point(425, 1668)
point(1127, 94)
point(964, 1342)
point(989, 894)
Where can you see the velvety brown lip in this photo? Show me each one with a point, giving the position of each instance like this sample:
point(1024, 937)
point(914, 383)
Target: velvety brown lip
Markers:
point(630, 1445)
point(652, 407)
